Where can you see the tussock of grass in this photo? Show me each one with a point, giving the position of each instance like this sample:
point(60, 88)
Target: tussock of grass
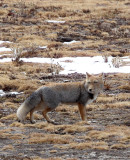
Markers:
point(16, 84)
point(125, 87)
point(100, 135)
point(39, 125)
point(109, 104)
point(79, 127)
point(10, 117)
point(39, 158)
point(51, 138)
point(7, 134)
point(10, 105)
point(119, 104)
point(89, 145)
point(117, 132)
point(105, 99)
point(8, 147)
point(2, 124)
point(123, 97)
point(119, 146)
point(17, 124)
point(76, 128)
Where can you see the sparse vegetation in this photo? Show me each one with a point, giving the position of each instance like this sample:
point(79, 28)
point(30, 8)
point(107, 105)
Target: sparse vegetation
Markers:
point(99, 28)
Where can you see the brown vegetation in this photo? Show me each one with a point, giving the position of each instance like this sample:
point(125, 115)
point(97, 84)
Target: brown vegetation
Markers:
point(99, 28)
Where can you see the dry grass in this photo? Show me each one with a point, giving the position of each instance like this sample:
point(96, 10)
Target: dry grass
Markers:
point(8, 134)
point(9, 117)
point(100, 28)
point(89, 145)
point(39, 158)
point(118, 132)
point(51, 138)
point(30, 27)
point(119, 146)
point(8, 147)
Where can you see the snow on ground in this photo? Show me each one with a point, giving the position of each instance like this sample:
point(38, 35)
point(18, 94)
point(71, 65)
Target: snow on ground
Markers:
point(92, 65)
point(71, 42)
point(3, 94)
point(54, 21)
point(4, 49)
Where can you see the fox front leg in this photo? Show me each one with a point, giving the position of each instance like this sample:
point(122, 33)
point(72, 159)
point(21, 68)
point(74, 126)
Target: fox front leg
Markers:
point(82, 111)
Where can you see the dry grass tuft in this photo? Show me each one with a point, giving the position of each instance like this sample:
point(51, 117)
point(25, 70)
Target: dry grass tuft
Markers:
point(39, 125)
point(119, 146)
point(105, 99)
point(10, 117)
point(2, 124)
point(51, 138)
point(39, 158)
point(8, 147)
point(9, 105)
point(119, 104)
point(120, 133)
point(76, 128)
point(89, 145)
point(17, 124)
point(8, 134)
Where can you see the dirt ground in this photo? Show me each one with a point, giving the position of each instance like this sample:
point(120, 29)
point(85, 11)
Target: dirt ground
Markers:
point(102, 28)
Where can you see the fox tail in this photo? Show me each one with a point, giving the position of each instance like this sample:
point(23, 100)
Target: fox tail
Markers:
point(30, 103)
point(22, 111)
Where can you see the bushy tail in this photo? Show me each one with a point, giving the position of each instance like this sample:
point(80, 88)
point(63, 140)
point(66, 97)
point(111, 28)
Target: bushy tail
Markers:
point(22, 111)
point(31, 102)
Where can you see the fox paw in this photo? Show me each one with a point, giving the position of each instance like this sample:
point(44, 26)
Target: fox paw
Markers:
point(32, 121)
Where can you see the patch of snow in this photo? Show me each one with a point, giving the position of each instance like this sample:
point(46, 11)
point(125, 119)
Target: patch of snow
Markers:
point(43, 47)
point(5, 42)
point(70, 42)
point(4, 60)
point(54, 21)
point(92, 65)
point(2, 93)
point(4, 49)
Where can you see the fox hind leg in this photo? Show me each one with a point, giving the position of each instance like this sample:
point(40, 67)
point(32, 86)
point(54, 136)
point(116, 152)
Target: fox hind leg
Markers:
point(45, 111)
point(31, 116)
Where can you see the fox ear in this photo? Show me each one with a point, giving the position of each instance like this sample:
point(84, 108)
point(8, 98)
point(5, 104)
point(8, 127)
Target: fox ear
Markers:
point(88, 75)
point(101, 74)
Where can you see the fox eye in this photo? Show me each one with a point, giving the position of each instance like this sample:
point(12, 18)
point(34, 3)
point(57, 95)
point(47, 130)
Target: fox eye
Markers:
point(95, 81)
point(89, 82)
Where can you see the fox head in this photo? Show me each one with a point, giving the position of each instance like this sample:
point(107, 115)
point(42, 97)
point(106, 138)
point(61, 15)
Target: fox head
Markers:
point(94, 83)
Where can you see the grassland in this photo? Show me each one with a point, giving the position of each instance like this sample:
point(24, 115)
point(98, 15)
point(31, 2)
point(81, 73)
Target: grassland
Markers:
point(101, 28)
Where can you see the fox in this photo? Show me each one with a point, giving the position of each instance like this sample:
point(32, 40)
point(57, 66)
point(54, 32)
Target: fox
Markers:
point(47, 98)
